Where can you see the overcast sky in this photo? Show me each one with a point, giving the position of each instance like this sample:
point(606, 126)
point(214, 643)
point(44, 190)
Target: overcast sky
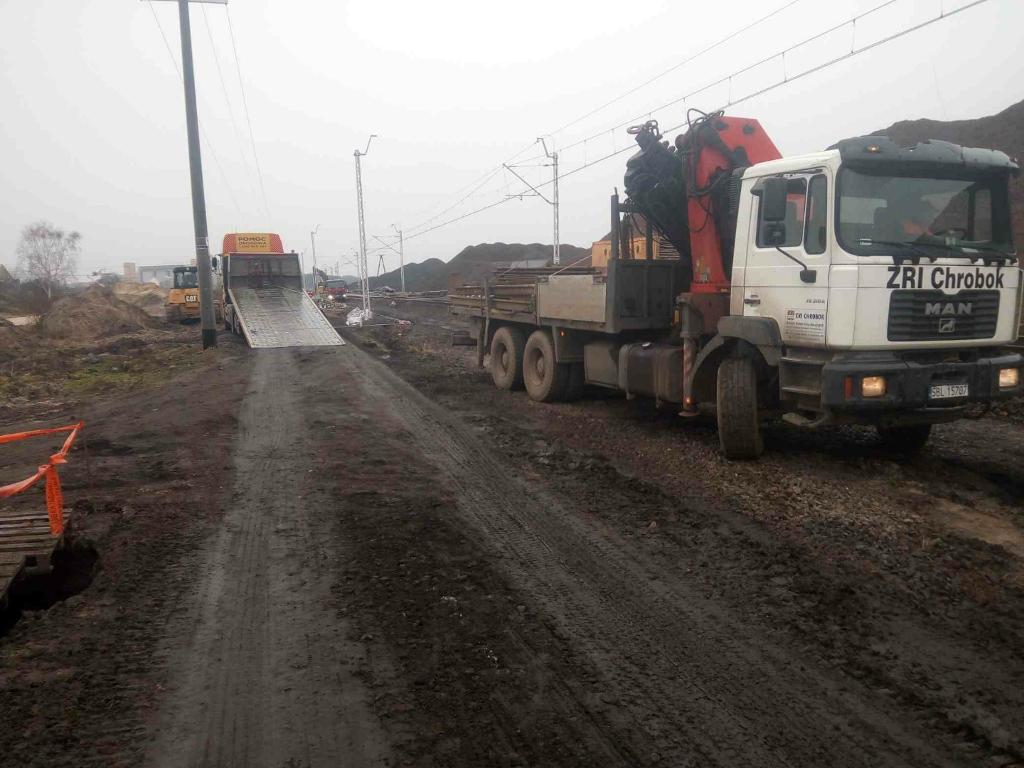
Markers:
point(92, 133)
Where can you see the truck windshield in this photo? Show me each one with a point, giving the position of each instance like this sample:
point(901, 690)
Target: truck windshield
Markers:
point(185, 280)
point(957, 216)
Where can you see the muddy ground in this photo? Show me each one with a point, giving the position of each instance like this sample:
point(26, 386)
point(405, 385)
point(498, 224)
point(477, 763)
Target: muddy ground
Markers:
point(370, 556)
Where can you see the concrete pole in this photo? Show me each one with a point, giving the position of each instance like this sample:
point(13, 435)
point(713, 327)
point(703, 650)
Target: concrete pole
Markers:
point(556, 258)
point(364, 268)
point(401, 255)
point(312, 243)
point(195, 162)
point(553, 157)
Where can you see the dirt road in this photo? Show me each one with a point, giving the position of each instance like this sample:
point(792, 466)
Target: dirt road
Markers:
point(383, 561)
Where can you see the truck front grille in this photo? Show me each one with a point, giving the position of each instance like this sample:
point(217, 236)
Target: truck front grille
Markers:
point(937, 316)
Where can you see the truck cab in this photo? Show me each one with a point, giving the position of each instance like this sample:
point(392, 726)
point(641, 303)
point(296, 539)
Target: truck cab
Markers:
point(887, 279)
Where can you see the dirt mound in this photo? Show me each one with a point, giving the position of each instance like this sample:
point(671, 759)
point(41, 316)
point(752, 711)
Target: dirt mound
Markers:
point(13, 340)
point(472, 263)
point(92, 314)
point(149, 297)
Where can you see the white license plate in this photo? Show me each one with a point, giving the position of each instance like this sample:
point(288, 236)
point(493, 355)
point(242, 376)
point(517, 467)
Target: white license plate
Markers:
point(944, 391)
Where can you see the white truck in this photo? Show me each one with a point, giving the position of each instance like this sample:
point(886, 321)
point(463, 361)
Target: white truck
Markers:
point(866, 284)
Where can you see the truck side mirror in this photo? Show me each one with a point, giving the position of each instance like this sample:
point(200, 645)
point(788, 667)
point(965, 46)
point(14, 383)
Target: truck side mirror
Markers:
point(773, 199)
point(774, 234)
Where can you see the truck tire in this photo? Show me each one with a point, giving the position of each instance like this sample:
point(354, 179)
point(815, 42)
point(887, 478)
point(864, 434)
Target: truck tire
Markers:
point(739, 431)
point(905, 439)
point(507, 357)
point(545, 380)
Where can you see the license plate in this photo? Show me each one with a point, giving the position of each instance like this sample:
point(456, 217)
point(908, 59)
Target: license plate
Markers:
point(944, 391)
point(191, 298)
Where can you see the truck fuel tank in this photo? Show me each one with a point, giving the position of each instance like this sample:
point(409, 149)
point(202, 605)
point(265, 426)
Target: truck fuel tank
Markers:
point(653, 370)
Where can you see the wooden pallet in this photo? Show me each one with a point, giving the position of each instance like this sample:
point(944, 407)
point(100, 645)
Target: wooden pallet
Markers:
point(26, 545)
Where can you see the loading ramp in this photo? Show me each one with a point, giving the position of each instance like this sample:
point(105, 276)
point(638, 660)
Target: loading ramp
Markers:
point(277, 316)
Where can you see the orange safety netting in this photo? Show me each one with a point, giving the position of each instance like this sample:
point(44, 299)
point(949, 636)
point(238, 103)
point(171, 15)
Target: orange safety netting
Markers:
point(54, 497)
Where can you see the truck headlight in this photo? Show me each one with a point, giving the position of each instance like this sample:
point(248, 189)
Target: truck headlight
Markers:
point(872, 386)
point(1009, 377)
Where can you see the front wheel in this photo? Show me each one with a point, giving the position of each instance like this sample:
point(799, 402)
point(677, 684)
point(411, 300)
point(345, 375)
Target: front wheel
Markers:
point(739, 431)
point(905, 439)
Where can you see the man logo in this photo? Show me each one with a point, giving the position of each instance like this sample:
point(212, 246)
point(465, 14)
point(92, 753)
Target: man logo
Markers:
point(948, 308)
point(947, 325)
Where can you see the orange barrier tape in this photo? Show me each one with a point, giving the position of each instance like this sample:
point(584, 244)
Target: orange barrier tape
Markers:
point(54, 495)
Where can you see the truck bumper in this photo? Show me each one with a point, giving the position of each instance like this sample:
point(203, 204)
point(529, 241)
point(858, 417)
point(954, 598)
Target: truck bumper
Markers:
point(908, 387)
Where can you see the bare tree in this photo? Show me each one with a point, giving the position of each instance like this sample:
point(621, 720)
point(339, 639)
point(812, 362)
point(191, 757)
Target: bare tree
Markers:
point(48, 254)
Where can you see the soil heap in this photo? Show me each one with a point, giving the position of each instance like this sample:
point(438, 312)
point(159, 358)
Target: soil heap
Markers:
point(94, 313)
point(149, 297)
point(472, 263)
point(12, 341)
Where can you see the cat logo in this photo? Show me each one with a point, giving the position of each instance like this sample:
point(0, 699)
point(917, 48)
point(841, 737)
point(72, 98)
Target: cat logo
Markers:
point(947, 325)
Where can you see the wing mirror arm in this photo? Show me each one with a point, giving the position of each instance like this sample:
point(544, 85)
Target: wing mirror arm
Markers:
point(806, 275)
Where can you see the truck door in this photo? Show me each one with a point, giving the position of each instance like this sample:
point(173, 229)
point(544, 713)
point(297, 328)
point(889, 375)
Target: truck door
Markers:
point(773, 286)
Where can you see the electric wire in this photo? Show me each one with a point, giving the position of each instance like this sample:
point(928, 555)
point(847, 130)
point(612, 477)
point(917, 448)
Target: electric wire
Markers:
point(202, 131)
point(227, 101)
point(707, 49)
point(791, 78)
point(248, 118)
point(728, 78)
point(732, 102)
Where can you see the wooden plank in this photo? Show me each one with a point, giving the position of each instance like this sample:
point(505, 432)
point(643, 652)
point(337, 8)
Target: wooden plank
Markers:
point(38, 546)
point(24, 516)
point(18, 525)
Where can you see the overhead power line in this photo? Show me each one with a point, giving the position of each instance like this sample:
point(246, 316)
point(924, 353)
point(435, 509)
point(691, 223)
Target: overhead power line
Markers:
point(206, 139)
point(942, 16)
point(227, 103)
point(728, 78)
point(248, 118)
point(673, 68)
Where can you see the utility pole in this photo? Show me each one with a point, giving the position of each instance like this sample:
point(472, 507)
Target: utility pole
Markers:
point(312, 243)
point(400, 252)
point(553, 157)
point(195, 163)
point(401, 255)
point(553, 202)
point(364, 292)
point(364, 269)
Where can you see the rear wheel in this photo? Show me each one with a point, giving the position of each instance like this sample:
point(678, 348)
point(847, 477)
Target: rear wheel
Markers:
point(545, 379)
point(507, 357)
point(905, 439)
point(739, 431)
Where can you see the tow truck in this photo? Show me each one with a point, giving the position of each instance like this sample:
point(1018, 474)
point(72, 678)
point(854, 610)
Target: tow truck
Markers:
point(868, 283)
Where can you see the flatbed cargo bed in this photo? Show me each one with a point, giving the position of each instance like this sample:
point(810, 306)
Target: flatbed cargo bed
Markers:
point(631, 295)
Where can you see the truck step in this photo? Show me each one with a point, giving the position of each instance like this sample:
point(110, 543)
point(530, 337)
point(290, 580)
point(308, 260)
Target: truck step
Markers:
point(799, 420)
point(804, 391)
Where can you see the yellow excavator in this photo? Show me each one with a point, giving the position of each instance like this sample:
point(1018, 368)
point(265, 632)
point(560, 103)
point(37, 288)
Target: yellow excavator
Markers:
point(183, 300)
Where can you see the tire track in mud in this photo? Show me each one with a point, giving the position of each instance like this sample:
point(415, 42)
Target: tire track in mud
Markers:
point(258, 660)
point(699, 683)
